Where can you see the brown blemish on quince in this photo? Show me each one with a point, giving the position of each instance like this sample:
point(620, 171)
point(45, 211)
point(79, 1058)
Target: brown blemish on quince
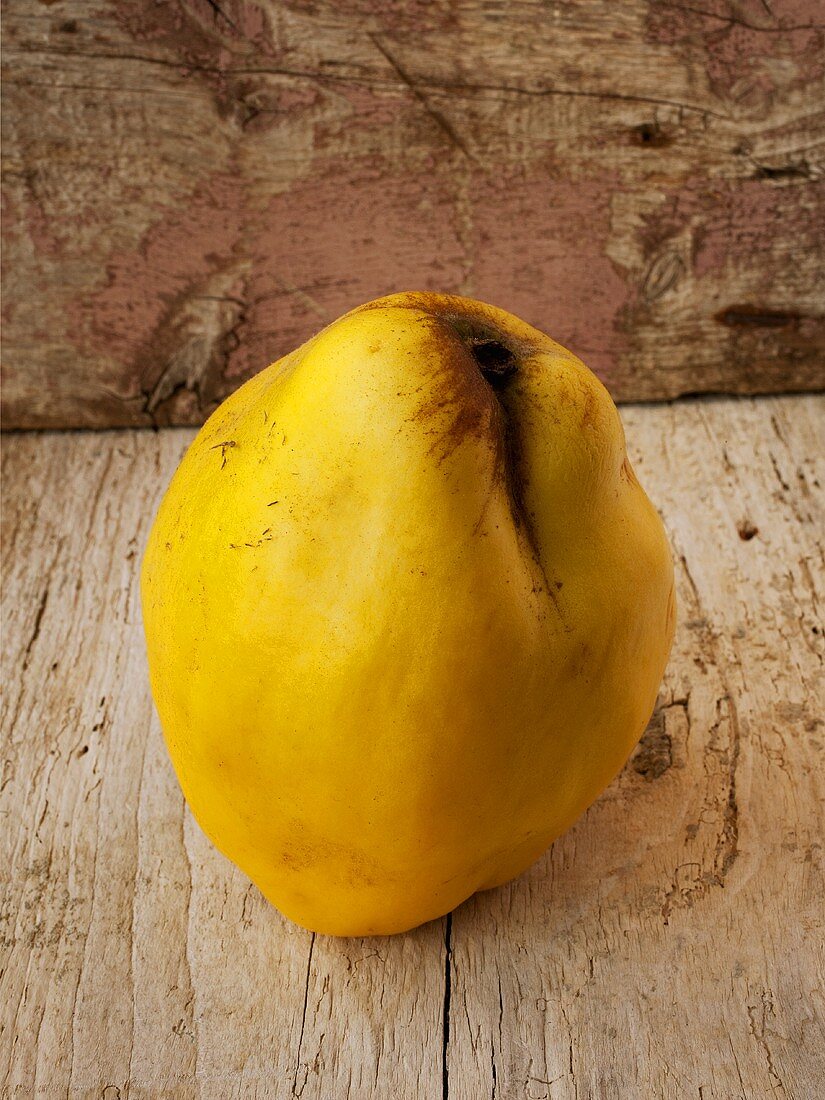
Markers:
point(460, 405)
point(627, 473)
point(224, 446)
point(468, 400)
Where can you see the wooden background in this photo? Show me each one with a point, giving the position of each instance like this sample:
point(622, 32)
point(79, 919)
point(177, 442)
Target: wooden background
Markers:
point(668, 947)
point(193, 188)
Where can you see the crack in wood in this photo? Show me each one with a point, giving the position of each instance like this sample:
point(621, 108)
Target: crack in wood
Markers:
point(726, 848)
point(735, 20)
point(419, 86)
point(445, 1015)
point(218, 10)
point(437, 116)
point(35, 634)
point(727, 845)
point(758, 1028)
point(295, 1090)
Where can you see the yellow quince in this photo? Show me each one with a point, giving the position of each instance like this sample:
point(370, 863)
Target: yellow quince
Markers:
point(407, 609)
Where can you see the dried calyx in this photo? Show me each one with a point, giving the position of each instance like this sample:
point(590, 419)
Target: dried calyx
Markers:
point(495, 361)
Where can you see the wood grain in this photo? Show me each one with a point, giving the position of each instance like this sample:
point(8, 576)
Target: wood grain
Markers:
point(192, 189)
point(669, 945)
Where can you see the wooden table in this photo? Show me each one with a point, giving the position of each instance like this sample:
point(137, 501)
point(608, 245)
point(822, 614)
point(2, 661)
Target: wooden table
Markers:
point(670, 945)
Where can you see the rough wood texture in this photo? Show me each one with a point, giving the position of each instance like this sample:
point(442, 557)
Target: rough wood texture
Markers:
point(194, 188)
point(669, 945)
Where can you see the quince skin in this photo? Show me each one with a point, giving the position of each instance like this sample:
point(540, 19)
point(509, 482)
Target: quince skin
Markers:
point(407, 609)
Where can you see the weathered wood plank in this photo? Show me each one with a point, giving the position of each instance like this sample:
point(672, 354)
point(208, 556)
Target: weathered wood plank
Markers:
point(670, 942)
point(194, 189)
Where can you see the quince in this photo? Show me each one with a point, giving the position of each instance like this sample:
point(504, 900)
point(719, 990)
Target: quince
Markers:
point(407, 609)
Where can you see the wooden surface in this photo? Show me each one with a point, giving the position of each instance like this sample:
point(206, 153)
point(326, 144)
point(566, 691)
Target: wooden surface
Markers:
point(670, 945)
point(194, 188)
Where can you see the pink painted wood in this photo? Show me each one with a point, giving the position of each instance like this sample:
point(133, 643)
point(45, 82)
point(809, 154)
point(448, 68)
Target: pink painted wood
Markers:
point(192, 190)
